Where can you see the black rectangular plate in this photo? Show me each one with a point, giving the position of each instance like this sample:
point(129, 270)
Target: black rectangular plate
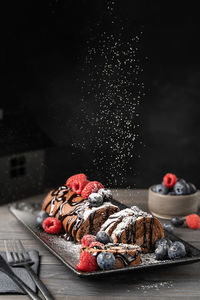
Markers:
point(68, 252)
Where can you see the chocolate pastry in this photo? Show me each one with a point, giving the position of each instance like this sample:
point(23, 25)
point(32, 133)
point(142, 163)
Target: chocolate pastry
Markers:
point(125, 255)
point(75, 213)
point(134, 226)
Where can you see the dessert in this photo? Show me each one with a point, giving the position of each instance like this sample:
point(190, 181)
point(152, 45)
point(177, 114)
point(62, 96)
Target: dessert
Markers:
point(124, 254)
point(134, 226)
point(75, 213)
point(109, 238)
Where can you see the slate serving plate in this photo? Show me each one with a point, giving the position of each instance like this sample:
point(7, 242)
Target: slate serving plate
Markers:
point(68, 251)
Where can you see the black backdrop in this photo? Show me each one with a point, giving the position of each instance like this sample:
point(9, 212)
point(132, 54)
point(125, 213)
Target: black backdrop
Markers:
point(41, 53)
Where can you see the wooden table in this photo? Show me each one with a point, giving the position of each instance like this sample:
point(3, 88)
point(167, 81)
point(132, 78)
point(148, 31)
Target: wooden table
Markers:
point(180, 282)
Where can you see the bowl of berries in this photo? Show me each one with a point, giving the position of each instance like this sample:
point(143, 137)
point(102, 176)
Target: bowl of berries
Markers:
point(173, 197)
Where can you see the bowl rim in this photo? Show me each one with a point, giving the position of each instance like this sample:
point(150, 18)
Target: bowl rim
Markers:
point(164, 196)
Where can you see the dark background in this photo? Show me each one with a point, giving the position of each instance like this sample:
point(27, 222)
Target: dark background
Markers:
point(43, 45)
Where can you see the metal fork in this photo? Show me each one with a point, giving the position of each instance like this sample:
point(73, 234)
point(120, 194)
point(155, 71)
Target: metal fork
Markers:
point(17, 256)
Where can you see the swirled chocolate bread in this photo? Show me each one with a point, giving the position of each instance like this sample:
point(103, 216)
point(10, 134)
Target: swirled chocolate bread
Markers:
point(125, 255)
point(75, 213)
point(134, 226)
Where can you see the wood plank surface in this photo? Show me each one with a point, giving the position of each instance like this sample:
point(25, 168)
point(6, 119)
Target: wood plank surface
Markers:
point(178, 282)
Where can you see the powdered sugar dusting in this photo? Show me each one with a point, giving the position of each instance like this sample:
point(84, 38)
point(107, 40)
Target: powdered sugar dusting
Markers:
point(112, 88)
point(71, 249)
point(88, 211)
point(123, 225)
point(150, 258)
point(147, 286)
point(115, 217)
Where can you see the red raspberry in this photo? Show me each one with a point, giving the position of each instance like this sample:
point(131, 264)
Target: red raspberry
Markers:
point(193, 221)
point(91, 187)
point(87, 240)
point(87, 263)
point(52, 225)
point(71, 179)
point(78, 185)
point(169, 180)
point(97, 244)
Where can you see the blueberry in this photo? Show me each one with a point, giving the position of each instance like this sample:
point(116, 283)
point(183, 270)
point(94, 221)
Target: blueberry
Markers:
point(106, 194)
point(192, 188)
point(163, 241)
point(181, 187)
point(154, 188)
point(176, 250)
point(161, 252)
point(106, 260)
point(95, 200)
point(168, 227)
point(160, 189)
point(41, 216)
point(103, 237)
point(177, 221)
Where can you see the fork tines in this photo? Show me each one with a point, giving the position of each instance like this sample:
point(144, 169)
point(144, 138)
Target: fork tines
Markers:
point(16, 253)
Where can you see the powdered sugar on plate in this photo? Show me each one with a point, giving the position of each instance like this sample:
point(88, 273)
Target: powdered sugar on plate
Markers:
point(150, 258)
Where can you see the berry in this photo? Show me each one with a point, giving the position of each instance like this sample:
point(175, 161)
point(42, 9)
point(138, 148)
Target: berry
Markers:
point(161, 252)
point(169, 180)
point(87, 262)
point(163, 241)
point(41, 216)
point(181, 188)
point(176, 250)
point(87, 240)
point(97, 245)
point(52, 225)
point(103, 237)
point(106, 194)
point(71, 179)
point(106, 260)
point(95, 199)
point(177, 221)
point(78, 185)
point(168, 227)
point(160, 189)
point(91, 187)
point(193, 221)
point(192, 188)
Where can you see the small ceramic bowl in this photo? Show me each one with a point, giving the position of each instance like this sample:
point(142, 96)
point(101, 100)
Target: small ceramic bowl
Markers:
point(168, 206)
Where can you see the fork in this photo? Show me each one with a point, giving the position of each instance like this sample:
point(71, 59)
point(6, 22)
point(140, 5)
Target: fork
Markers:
point(17, 256)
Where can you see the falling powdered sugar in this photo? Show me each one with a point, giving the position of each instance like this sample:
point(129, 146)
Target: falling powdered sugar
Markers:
point(112, 91)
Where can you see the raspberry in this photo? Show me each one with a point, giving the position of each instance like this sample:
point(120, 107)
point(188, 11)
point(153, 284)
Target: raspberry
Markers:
point(91, 187)
point(87, 262)
point(193, 221)
point(52, 225)
point(169, 180)
point(78, 185)
point(71, 179)
point(93, 244)
point(87, 240)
